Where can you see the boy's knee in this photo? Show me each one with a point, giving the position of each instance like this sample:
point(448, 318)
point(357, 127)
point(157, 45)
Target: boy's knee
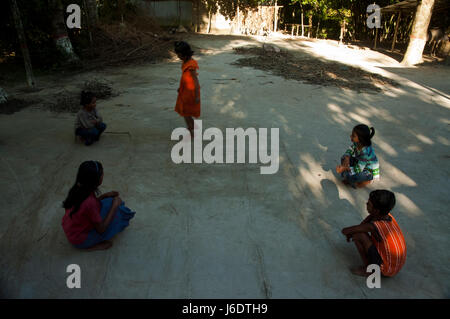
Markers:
point(361, 237)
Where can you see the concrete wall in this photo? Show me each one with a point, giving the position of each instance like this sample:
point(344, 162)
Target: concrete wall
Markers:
point(168, 13)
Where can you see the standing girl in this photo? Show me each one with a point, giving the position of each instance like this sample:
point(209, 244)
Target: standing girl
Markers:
point(91, 221)
point(188, 101)
point(359, 165)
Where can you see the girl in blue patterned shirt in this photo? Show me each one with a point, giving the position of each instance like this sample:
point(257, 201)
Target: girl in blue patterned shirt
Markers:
point(359, 165)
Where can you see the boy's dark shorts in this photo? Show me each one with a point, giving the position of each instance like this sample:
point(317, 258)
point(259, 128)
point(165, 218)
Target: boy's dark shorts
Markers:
point(373, 256)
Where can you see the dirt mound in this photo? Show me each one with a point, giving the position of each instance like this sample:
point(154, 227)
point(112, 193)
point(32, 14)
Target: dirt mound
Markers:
point(101, 88)
point(69, 101)
point(138, 39)
point(312, 70)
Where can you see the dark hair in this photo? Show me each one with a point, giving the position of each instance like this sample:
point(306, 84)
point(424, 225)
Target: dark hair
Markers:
point(88, 179)
point(382, 200)
point(364, 134)
point(86, 97)
point(184, 49)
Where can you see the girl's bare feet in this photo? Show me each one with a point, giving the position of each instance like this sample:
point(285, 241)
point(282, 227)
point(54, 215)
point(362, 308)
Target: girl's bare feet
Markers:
point(360, 271)
point(363, 184)
point(101, 246)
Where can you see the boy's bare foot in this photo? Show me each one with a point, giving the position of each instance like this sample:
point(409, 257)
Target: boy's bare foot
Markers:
point(360, 271)
point(101, 246)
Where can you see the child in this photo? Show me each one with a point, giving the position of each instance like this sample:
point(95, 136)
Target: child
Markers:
point(89, 124)
point(385, 246)
point(188, 101)
point(90, 221)
point(359, 165)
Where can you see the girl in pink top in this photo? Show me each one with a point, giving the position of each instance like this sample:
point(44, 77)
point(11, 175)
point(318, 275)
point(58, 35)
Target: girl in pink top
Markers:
point(91, 221)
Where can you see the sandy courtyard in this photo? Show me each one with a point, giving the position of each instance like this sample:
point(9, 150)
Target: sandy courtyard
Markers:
point(225, 230)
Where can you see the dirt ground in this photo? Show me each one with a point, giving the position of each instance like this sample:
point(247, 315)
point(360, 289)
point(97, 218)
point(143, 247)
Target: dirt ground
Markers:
point(226, 231)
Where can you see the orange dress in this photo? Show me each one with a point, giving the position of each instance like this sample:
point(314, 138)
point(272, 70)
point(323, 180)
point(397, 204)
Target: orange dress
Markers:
point(392, 247)
point(186, 105)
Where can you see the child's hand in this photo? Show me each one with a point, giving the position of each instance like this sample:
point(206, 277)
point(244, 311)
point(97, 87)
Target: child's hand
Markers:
point(346, 233)
point(340, 169)
point(346, 162)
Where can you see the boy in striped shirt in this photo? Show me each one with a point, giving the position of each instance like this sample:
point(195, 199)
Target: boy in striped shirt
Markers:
point(378, 238)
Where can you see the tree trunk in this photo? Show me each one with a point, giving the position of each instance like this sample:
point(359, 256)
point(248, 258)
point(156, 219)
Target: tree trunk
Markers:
point(276, 16)
point(310, 25)
point(92, 12)
point(239, 20)
point(197, 18)
point(303, 26)
point(318, 29)
point(23, 45)
point(209, 21)
point(396, 31)
point(121, 7)
point(60, 35)
point(418, 36)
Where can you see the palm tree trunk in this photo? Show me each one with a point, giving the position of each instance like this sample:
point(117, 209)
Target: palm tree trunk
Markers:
point(60, 35)
point(418, 36)
point(209, 21)
point(23, 45)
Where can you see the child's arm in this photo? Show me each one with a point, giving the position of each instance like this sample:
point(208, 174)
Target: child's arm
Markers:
point(101, 227)
point(197, 86)
point(363, 228)
point(109, 194)
point(99, 117)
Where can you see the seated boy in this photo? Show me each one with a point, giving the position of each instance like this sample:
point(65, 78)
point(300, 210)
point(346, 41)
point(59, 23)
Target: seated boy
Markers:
point(378, 238)
point(89, 124)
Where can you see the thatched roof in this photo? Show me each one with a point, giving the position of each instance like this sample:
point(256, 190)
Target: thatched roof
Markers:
point(409, 6)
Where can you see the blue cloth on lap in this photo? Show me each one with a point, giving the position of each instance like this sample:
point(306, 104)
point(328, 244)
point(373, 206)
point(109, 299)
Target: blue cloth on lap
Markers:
point(119, 223)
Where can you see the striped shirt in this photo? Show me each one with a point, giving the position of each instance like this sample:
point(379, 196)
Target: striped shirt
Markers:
point(366, 160)
point(391, 247)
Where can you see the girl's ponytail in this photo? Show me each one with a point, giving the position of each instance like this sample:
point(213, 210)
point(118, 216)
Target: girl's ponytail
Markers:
point(364, 133)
